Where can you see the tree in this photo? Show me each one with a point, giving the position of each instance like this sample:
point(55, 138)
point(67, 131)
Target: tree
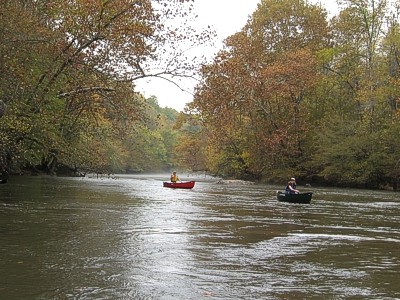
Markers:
point(69, 70)
point(251, 96)
point(351, 134)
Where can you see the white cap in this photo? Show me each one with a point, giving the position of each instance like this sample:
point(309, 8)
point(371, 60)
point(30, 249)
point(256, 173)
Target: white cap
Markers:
point(293, 178)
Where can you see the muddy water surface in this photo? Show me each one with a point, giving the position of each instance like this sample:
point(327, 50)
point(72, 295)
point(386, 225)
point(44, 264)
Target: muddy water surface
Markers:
point(130, 238)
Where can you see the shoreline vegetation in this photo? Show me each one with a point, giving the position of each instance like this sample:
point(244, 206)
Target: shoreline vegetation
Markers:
point(294, 93)
point(198, 176)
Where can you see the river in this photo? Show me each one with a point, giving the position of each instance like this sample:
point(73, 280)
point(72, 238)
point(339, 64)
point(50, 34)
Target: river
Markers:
point(130, 238)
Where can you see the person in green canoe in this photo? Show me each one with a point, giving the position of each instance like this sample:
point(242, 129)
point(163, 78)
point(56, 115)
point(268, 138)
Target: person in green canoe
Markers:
point(291, 187)
point(174, 177)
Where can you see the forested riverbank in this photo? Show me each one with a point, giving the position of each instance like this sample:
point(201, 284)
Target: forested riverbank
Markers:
point(67, 92)
point(294, 93)
point(298, 93)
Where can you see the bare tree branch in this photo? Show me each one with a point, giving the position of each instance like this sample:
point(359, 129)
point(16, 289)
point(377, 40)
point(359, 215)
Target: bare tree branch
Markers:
point(85, 90)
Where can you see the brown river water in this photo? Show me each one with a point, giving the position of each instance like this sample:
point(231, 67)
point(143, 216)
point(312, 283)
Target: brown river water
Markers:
point(130, 238)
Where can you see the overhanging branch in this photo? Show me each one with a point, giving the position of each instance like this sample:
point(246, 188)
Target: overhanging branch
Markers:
point(85, 90)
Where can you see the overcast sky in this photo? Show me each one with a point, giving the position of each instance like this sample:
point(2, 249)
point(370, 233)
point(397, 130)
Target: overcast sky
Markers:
point(226, 17)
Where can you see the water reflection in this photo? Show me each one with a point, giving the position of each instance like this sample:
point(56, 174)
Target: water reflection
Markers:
point(130, 238)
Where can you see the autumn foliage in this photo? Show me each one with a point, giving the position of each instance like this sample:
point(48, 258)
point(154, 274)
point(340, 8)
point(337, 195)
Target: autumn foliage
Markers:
point(68, 72)
point(294, 92)
point(251, 97)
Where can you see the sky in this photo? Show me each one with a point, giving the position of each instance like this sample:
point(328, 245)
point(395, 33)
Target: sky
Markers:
point(226, 17)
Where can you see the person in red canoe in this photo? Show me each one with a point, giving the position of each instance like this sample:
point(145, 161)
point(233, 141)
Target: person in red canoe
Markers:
point(291, 187)
point(174, 177)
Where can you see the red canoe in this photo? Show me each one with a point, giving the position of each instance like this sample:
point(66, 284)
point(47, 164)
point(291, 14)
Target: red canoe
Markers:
point(179, 185)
